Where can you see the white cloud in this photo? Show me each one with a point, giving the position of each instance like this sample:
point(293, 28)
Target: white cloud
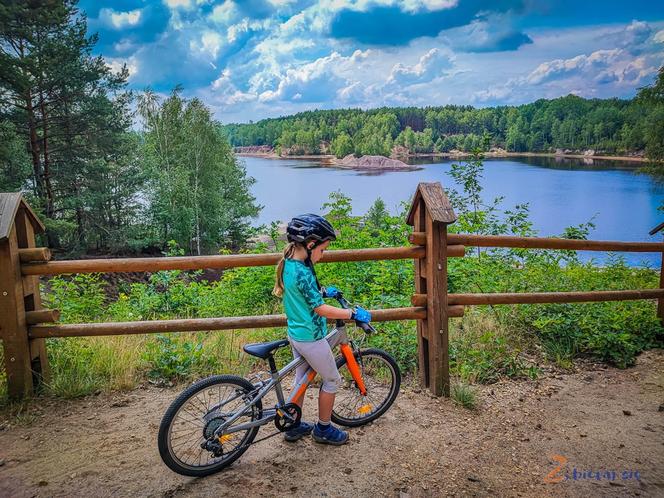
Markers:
point(224, 13)
point(281, 3)
point(430, 66)
point(227, 94)
point(565, 67)
point(116, 63)
point(175, 4)
point(659, 36)
point(427, 5)
point(632, 36)
point(120, 20)
point(314, 82)
point(208, 44)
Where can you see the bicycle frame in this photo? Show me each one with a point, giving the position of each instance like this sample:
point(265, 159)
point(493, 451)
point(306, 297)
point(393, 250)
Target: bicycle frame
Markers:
point(337, 336)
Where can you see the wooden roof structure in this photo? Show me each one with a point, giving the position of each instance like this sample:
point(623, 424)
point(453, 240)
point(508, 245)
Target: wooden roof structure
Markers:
point(10, 204)
point(657, 228)
point(436, 201)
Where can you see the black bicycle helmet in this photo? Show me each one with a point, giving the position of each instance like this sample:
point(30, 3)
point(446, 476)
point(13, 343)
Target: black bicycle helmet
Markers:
point(309, 226)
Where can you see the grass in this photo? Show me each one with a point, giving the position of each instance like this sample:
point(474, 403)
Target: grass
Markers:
point(82, 366)
point(483, 348)
point(464, 395)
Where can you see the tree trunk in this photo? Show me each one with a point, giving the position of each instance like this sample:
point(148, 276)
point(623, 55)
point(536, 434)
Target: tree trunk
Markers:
point(34, 149)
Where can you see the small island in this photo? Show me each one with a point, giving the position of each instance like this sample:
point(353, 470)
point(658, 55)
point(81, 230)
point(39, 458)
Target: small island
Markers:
point(372, 163)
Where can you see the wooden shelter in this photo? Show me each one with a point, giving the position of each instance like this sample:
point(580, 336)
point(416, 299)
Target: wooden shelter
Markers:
point(25, 359)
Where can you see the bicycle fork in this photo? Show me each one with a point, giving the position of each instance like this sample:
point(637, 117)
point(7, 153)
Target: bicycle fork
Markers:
point(353, 367)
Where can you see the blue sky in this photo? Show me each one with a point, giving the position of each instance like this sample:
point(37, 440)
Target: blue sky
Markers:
point(252, 59)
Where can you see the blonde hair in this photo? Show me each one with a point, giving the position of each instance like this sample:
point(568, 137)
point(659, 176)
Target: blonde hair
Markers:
point(278, 289)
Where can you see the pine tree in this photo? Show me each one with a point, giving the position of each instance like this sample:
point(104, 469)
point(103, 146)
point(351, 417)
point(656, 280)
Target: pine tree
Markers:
point(72, 113)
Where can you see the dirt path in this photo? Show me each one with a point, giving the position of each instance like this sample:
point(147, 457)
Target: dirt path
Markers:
point(598, 419)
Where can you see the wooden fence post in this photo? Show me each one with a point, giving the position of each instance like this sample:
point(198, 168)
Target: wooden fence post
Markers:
point(660, 301)
point(26, 363)
point(430, 213)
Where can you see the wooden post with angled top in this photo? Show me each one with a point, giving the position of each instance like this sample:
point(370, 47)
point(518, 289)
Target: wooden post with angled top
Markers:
point(430, 213)
point(660, 301)
point(26, 363)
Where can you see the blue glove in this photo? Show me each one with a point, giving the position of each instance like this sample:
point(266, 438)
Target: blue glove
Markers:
point(331, 292)
point(361, 315)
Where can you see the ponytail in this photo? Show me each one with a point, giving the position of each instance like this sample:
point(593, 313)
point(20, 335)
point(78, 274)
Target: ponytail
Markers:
point(278, 289)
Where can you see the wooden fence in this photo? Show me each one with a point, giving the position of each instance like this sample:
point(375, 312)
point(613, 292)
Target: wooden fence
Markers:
point(24, 323)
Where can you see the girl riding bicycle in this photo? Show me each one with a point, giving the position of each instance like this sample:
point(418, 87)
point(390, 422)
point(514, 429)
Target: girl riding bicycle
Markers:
point(296, 282)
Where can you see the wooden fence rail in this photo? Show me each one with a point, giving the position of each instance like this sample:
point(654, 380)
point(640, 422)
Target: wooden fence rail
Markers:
point(25, 324)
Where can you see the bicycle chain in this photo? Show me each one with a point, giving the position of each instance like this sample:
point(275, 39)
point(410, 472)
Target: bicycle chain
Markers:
point(255, 441)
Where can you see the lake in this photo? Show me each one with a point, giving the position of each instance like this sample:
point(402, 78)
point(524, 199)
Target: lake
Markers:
point(560, 193)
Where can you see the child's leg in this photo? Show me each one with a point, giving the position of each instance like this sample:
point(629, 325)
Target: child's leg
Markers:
point(299, 374)
point(319, 355)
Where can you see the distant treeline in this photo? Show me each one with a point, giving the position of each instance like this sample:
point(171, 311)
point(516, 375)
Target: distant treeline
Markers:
point(612, 126)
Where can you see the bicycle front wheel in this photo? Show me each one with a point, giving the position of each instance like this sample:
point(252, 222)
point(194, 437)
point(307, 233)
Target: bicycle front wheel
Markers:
point(382, 379)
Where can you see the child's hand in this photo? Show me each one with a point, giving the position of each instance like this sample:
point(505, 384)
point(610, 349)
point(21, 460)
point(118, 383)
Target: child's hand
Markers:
point(361, 315)
point(331, 292)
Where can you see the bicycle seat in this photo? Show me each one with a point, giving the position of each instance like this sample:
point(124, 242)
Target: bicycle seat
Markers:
point(264, 349)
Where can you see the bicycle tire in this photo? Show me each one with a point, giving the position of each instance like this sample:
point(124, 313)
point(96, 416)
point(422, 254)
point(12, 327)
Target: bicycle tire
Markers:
point(386, 403)
point(163, 436)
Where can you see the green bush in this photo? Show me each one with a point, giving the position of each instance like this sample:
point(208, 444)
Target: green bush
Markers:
point(170, 359)
point(486, 344)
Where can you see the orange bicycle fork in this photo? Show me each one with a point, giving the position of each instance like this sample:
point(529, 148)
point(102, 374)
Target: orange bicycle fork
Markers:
point(353, 367)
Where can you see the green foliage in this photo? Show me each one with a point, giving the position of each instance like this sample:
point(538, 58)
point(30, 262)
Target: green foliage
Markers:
point(79, 298)
point(169, 359)
point(464, 395)
point(71, 115)
point(14, 164)
point(653, 132)
point(199, 193)
point(610, 126)
point(487, 344)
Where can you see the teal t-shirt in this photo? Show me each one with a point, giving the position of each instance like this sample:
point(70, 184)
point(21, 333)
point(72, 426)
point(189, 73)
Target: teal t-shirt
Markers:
point(300, 298)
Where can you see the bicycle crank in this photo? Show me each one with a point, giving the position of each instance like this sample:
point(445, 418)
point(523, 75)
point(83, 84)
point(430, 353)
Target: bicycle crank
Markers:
point(287, 417)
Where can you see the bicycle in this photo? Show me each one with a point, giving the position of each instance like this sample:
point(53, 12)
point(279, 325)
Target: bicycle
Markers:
point(215, 420)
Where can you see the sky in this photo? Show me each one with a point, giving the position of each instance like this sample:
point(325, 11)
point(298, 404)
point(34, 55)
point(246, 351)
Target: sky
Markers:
point(254, 59)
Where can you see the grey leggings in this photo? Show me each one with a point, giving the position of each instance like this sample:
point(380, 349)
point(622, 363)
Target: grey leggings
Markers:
point(318, 355)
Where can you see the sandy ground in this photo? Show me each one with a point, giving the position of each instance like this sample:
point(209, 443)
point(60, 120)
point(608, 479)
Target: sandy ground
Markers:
point(600, 419)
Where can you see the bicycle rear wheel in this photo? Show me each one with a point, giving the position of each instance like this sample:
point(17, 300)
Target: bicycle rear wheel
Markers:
point(382, 379)
point(192, 419)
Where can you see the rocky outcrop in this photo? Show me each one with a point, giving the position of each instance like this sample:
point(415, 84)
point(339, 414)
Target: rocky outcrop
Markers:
point(399, 151)
point(254, 149)
point(372, 162)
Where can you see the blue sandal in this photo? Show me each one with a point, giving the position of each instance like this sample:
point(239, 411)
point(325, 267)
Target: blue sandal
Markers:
point(329, 435)
point(298, 432)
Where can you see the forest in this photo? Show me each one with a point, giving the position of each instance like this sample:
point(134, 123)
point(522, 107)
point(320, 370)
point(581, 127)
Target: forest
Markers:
point(608, 126)
point(109, 170)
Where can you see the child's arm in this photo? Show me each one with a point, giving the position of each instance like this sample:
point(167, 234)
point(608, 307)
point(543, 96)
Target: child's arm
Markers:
point(333, 312)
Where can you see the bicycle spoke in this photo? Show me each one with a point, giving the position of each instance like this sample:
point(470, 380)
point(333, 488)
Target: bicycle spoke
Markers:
point(378, 380)
point(211, 405)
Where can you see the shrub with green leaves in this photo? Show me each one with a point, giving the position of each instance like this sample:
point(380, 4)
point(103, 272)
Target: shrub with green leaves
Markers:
point(488, 343)
point(170, 359)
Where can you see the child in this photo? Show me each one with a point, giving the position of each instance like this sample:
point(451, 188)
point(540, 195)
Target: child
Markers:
point(308, 236)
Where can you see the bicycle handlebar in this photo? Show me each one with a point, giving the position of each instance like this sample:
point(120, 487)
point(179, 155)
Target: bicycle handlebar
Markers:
point(346, 305)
